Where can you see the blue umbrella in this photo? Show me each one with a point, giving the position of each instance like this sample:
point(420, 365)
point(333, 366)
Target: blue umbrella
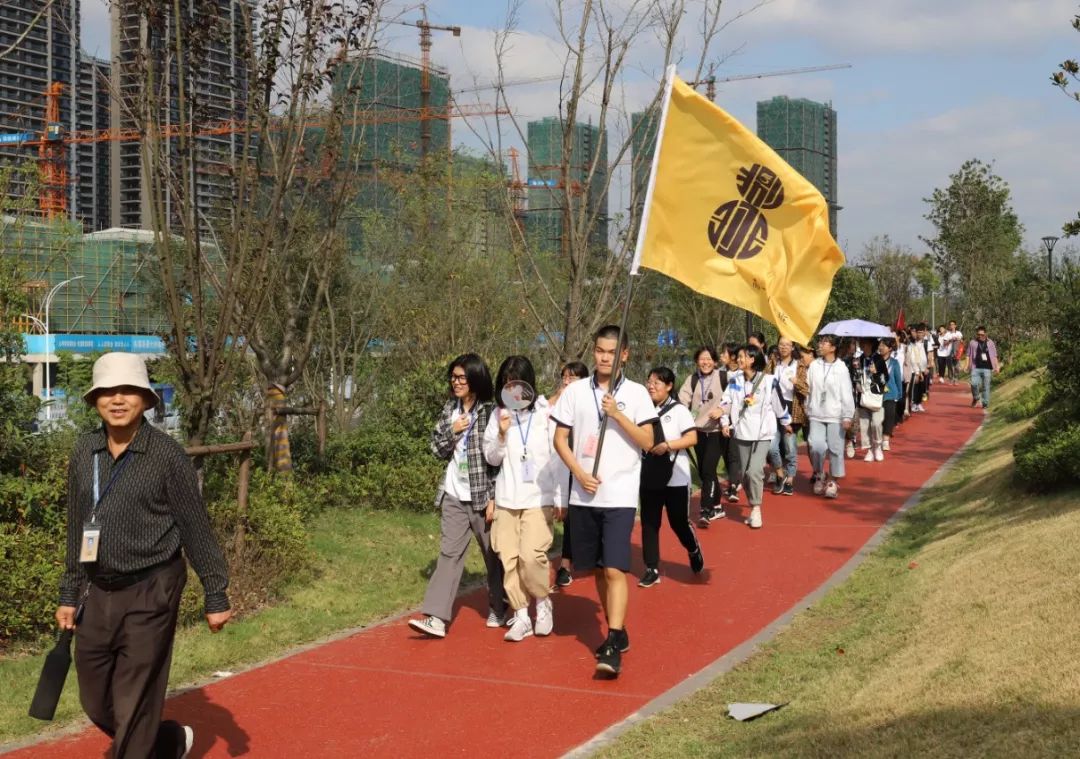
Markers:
point(855, 328)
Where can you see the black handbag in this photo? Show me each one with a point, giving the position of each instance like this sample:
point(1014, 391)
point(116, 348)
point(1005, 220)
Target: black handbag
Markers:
point(53, 674)
point(656, 470)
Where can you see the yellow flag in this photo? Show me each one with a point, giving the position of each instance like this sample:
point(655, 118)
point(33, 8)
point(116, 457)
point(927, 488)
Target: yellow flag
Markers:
point(728, 217)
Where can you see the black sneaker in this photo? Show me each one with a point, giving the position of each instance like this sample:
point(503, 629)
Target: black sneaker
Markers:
point(717, 513)
point(789, 488)
point(620, 639)
point(609, 660)
point(650, 578)
point(778, 488)
point(733, 494)
point(703, 517)
point(697, 561)
point(563, 577)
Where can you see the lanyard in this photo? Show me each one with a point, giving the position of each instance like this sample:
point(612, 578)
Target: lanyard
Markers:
point(524, 435)
point(99, 495)
point(825, 378)
point(472, 423)
point(595, 387)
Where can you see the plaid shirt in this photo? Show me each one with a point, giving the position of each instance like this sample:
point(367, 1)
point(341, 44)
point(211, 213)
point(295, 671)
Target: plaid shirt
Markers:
point(444, 441)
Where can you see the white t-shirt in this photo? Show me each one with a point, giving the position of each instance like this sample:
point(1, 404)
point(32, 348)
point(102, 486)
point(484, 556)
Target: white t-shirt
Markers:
point(785, 377)
point(620, 459)
point(675, 423)
point(456, 481)
point(529, 476)
point(950, 341)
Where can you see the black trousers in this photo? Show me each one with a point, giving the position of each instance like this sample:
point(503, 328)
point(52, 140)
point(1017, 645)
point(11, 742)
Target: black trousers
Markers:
point(889, 423)
point(709, 450)
point(677, 501)
point(123, 651)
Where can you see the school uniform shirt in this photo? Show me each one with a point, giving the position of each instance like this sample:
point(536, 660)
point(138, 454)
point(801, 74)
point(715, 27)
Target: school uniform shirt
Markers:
point(753, 414)
point(579, 408)
point(785, 379)
point(954, 339)
point(676, 422)
point(529, 475)
point(831, 398)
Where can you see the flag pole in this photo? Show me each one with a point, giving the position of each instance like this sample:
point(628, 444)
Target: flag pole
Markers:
point(669, 78)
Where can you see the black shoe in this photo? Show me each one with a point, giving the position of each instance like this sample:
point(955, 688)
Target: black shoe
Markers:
point(619, 638)
point(974, 402)
point(609, 660)
point(789, 488)
point(563, 577)
point(717, 513)
point(697, 561)
point(703, 518)
point(733, 494)
point(778, 488)
point(650, 578)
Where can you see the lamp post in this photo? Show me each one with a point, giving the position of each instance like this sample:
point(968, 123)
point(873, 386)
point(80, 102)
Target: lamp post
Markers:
point(48, 346)
point(1049, 241)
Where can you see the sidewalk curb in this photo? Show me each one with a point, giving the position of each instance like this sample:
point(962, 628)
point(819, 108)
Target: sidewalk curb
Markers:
point(748, 648)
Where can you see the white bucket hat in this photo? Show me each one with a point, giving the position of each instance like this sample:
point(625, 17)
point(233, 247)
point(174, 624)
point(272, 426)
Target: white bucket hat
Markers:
point(118, 370)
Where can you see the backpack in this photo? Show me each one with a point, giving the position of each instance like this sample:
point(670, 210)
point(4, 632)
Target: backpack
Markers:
point(656, 470)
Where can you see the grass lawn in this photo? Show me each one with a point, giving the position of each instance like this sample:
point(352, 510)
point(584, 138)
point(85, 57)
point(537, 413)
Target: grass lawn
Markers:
point(957, 638)
point(368, 565)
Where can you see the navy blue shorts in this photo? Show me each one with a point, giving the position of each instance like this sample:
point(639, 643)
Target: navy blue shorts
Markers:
point(601, 537)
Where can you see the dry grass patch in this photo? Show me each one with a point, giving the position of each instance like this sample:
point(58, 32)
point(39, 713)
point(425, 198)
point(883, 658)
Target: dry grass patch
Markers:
point(973, 652)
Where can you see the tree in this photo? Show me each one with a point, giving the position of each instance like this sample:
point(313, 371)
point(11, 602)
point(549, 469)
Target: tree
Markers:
point(252, 270)
point(573, 278)
point(1066, 78)
point(977, 235)
point(894, 269)
point(852, 297)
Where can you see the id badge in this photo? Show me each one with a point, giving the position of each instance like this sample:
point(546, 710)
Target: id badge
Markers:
point(590, 446)
point(91, 539)
point(528, 471)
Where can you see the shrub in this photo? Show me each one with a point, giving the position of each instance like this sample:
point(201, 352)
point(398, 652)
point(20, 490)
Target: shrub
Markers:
point(1028, 403)
point(1027, 357)
point(1048, 455)
point(383, 469)
point(33, 560)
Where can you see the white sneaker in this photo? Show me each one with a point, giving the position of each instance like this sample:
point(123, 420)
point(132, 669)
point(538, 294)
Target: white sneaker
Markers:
point(545, 617)
point(495, 620)
point(878, 455)
point(885, 444)
point(819, 485)
point(520, 628)
point(869, 455)
point(189, 741)
point(850, 450)
point(832, 489)
point(429, 625)
point(755, 518)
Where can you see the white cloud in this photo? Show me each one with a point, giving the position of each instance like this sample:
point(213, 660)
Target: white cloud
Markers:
point(907, 26)
point(884, 176)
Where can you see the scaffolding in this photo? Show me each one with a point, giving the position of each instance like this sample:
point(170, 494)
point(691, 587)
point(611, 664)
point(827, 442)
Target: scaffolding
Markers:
point(547, 192)
point(804, 134)
point(115, 292)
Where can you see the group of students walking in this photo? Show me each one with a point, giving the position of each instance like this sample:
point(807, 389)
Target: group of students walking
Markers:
point(512, 473)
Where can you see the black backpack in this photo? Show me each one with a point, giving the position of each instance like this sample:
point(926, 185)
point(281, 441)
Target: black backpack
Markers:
point(656, 470)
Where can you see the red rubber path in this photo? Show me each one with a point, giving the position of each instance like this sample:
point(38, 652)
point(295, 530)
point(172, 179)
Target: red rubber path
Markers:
point(389, 692)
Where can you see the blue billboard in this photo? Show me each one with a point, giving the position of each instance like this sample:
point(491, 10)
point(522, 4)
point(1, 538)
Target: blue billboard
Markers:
point(152, 344)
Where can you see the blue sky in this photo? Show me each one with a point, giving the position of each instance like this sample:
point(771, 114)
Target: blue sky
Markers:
point(933, 83)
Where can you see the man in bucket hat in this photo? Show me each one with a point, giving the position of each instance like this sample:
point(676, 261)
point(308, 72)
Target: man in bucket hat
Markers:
point(133, 504)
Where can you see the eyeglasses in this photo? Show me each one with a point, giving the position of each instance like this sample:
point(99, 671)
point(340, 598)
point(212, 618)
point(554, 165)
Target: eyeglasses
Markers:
point(459, 379)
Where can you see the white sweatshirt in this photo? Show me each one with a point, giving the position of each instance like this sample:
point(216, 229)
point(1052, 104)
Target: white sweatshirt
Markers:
point(536, 453)
point(763, 412)
point(831, 398)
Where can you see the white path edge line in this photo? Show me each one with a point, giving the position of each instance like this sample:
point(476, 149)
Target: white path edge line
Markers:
point(748, 648)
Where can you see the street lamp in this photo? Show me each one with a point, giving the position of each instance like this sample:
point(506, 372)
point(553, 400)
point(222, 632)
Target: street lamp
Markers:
point(1049, 241)
point(48, 346)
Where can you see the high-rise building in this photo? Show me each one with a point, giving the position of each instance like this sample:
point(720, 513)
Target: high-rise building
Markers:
point(221, 90)
point(547, 194)
point(643, 128)
point(804, 134)
point(92, 112)
point(41, 43)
